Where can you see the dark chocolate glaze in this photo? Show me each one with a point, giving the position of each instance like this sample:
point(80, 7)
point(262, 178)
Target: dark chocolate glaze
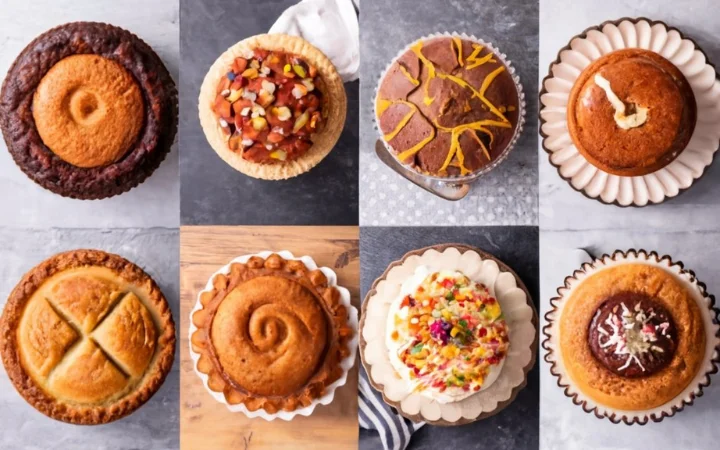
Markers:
point(38, 161)
point(652, 360)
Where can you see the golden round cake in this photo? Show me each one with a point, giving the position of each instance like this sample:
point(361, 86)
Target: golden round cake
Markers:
point(631, 337)
point(87, 337)
point(88, 110)
point(631, 112)
point(271, 334)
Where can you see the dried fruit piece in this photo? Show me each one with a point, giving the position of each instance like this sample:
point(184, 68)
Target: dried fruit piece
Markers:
point(235, 142)
point(259, 123)
point(275, 137)
point(265, 98)
point(307, 82)
point(224, 84)
point(280, 155)
point(299, 91)
point(239, 65)
point(250, 73)
point(222, 107)
point(282, 112)
point(300, 70)
point(301, 121)
point(235, 95)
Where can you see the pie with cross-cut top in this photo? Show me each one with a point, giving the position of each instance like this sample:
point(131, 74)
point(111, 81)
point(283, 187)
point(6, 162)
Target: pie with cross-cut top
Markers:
point(448, 106)
point(87, 337)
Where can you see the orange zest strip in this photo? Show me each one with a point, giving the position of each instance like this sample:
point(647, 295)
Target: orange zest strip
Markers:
point(417, 147)
point(407, 75)
point(417, 49)
point(398, 128)
point(458, 44)
point(481, 61)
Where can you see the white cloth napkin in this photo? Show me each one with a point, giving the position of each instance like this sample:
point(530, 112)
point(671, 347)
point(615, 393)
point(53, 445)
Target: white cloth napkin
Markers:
point(331, 26)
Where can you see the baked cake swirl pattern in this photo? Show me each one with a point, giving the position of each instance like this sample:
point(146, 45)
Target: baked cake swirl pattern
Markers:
point(271, 334)
point(446, 335)
point(448, 106)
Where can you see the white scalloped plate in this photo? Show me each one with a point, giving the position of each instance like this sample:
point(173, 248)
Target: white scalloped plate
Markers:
point(517, 312)
point(521, 105)
point(705, 303)
point(346, 363)
point(640, 190)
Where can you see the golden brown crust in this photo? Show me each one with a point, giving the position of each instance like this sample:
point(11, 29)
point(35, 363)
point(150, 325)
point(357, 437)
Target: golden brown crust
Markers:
point(601, 384)
point(88, 110)
point(639, 77)
point(111, 404)
point(332, 89)
point(246, 328)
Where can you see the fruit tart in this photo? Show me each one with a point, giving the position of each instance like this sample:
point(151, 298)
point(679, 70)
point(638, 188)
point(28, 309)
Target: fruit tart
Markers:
point(272, 335)
point(87, 337)
point(272, 106)
point(88, 110)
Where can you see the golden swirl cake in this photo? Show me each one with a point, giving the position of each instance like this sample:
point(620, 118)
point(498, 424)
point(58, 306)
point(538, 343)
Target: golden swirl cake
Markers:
point(87, 337)
point(446, 335)
point(271, 334)
point(448, 106)
point(632, 337)
point(631, 112)
point(272, 106)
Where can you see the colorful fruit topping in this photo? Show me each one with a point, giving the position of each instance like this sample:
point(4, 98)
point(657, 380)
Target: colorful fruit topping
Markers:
point(268, 106)
point(454, 333)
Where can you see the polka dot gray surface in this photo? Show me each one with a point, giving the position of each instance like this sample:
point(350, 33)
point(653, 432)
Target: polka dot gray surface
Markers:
point(506, 196)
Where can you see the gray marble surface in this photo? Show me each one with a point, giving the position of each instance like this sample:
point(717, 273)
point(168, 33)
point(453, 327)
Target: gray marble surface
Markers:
point(505, 196)
point(561, 207)
point(212, 192)
point(566, 426)
point(156, 424)
point(516, 427)
point(155, 202)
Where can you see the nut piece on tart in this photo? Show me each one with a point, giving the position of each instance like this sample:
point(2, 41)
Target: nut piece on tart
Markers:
point(272, 106)
point(87, 337)
point(631, 112)
point(92, 118)
point(271, 334)
point(448, 106)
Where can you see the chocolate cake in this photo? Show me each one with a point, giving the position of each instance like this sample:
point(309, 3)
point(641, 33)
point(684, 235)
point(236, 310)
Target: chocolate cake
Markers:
point(448, 106)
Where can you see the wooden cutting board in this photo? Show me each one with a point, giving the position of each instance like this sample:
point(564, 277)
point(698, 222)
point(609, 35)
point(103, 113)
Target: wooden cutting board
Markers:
point(207, 424)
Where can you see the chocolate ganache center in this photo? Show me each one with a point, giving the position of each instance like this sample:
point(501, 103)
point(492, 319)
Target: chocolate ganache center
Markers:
point(632, 335)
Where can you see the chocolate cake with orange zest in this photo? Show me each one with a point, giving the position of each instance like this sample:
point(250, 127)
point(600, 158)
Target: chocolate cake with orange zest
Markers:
point(448, 106)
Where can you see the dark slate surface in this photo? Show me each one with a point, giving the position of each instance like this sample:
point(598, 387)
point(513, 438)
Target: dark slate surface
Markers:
point(214, 193)
point(516, 427)
point(506, 196)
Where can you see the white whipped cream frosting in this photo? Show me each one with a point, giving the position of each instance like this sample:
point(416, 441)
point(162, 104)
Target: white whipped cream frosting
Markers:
point(395, 347)
point(329, 25)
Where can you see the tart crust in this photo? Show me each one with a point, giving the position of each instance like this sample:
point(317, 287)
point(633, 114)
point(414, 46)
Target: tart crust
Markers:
point(255, 320)
point(601, 384)
point(130, 371)
point(34, 157)
point(323, 141)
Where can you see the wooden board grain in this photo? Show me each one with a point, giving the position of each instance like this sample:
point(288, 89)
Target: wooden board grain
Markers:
point(207, 424)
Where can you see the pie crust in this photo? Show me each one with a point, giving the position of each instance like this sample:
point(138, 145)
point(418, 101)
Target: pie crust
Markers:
point(323, 141)
point(127, 123)
point(271, 334)
point(87, 337)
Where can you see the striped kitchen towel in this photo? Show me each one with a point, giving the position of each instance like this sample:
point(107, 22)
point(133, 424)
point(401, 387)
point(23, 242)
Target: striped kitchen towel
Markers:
point(374, 414)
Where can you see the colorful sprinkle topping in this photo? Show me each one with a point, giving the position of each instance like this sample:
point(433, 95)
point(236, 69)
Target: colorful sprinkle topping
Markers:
point(455, 333)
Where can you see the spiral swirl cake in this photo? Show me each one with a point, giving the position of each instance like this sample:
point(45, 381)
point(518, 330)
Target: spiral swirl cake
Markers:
point(271, 334)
